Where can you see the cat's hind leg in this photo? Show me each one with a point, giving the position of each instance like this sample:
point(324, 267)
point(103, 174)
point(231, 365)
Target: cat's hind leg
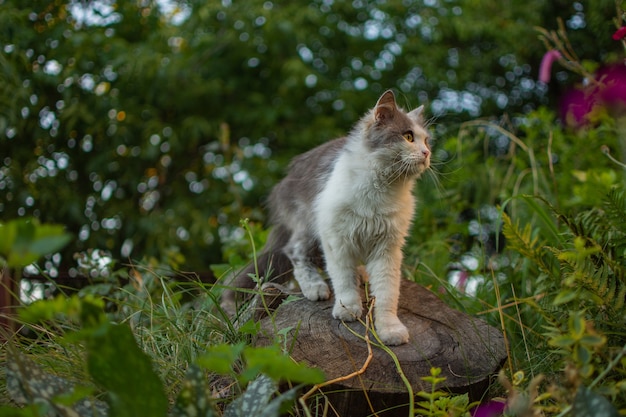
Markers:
point(301, 250)
point(271, 265)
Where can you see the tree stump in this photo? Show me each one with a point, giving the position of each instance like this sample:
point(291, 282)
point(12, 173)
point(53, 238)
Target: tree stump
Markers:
point(467, 350)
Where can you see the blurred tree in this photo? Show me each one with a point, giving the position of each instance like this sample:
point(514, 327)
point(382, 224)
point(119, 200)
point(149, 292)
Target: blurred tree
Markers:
point(147, 127)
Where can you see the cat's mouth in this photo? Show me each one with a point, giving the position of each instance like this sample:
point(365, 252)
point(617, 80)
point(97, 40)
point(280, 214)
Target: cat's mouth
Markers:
point(417, 162)
point(422, 166)
point(404, 168)
point(418, 167)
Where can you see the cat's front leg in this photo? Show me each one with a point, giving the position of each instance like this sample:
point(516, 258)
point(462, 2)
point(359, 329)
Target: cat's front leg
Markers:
point(342, 272)
point(348, 305)
point(384, 281)
point(390, 329)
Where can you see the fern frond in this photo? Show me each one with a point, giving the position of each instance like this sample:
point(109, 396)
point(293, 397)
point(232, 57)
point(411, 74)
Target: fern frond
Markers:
point(588, 267)
point(615, 207)
point(523, 242)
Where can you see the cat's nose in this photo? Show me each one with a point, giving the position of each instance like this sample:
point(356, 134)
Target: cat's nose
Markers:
point(425, 152)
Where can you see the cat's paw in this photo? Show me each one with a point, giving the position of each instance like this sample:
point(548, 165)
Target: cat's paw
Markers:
point(316, 291)
point(347, 311)
point(392, 333)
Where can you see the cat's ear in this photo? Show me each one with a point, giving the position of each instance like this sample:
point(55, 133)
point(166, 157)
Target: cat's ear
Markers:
point(417, 115)
point(385, 107)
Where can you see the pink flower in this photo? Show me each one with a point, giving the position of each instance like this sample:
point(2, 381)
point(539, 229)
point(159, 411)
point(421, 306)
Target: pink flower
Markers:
point(576, 105)
point(490, 409)
point(609, 91)
point(619, 34)
point(546, 65)
point(613, 79)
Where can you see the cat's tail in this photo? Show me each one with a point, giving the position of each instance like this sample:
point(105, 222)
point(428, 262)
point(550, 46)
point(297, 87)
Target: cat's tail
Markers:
point(271, 264)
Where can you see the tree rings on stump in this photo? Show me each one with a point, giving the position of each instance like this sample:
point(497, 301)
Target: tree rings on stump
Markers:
point(467, 350)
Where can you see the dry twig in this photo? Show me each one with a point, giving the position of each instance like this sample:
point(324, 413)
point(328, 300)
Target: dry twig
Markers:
point(316, 387)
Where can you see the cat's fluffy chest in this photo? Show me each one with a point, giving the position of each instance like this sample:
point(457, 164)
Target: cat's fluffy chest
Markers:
point(356, 203)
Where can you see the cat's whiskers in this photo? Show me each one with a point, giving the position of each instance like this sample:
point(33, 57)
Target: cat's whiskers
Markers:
point(402, 167)
point(434, 174)
point(394, 171)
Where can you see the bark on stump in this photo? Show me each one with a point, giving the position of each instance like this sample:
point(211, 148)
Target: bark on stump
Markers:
point(467, 350)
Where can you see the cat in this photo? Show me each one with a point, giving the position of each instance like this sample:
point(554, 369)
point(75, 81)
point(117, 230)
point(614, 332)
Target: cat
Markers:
point(344, 204)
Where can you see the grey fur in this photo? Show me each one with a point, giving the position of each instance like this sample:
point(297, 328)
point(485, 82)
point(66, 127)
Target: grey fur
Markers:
point(345, 203)
point(291, 199)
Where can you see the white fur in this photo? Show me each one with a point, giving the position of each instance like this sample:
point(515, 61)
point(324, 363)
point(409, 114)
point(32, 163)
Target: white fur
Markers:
point(361, 218)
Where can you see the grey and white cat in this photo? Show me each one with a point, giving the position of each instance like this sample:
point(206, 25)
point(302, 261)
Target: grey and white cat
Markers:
point(344, 204)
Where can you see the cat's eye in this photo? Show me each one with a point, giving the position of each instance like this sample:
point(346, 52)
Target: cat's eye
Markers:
point(408, 136)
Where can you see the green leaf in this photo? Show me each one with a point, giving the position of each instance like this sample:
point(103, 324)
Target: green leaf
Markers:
point(431, 396)
point(254, 399)
point(589, 404)
point(565, 296)
point(545, 216)
point(577, 325)
point(272, 362)
point(92, 312)
point(119, 366)
point(593, 340)
point(78, 392)
point(250, 327)
point(23, 232)
point(24, 241)
point(280, 405)
point(220, 358)
point(72, 308)
point(8, 233)
point(49, 239)
point(582, 355)
point(194, 398)
point(30, 410)
point(562, 341)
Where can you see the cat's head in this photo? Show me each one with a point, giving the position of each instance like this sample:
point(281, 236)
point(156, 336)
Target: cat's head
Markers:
point(397, 139)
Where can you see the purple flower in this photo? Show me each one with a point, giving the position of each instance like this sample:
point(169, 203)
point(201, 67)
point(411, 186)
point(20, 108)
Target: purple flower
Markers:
point(490, 409)
point(608, 91)
point(546, 65)
point(576, 105)
point(613, 79)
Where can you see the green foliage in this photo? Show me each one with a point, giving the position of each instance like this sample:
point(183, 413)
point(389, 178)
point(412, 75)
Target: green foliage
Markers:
point(124, 372)
point(578, 342)
point(155, 128)
point(139, 370)
point(269, 361)
point(439, 403)
point(591, 263)
point(588, 403)
point(584, 290)
point(113, 360)
point(257, 400)
point(194, 394)
point(29, 384)
point(24, 241)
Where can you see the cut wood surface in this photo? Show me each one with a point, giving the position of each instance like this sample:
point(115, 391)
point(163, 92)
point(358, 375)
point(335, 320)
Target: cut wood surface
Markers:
point(467, 350)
